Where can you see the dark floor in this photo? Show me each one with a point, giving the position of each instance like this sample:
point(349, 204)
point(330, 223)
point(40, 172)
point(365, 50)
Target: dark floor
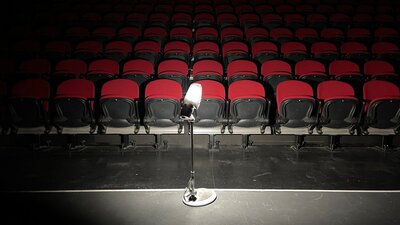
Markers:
point(229, 168)
point(267, 185)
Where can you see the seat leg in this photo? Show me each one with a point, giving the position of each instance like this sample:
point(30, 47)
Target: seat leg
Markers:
point(298, 143)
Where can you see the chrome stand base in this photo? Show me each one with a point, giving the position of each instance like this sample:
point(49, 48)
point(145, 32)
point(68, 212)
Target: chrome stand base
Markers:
point(200, 197)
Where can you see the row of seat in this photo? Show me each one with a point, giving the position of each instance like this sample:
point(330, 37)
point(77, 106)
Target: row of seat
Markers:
point(245, 105)
point(130, 33)
point(306, 37)
point(140, 70)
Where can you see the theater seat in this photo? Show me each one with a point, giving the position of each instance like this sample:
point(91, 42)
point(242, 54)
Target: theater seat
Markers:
point(241, 69)
point(174, 69)
point(380, 70)
point(211, 113)
point(340, 108)
point(382, 109)
point(149, 50)
point(29, 107)
point(162, 105)
point(248, 106)
point(101, 70)
point(205, 50)
point(68, 69)
point(207, 69)
point(74, 107)
point(296, 107)
point(275, 71)
point(138, 70)
point(119, 108)
point(311, 71)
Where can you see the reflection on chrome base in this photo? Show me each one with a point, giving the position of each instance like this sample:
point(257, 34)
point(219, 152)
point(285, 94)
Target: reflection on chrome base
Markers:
point(199, 197)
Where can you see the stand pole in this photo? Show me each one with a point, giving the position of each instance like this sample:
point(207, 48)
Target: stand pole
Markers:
point(193, 197)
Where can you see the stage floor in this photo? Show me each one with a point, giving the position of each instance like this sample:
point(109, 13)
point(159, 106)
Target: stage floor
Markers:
point(263, 185)
point(232, 207)
point(229, 168)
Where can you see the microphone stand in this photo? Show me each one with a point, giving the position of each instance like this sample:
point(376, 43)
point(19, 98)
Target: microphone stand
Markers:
point(201, 196)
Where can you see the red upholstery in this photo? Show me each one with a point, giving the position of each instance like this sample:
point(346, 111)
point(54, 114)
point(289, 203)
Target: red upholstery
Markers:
point(234, 47)
point(212, 89)
point(305, 32)
point(254, 32)
point(204, 67)
point(138, 66)
point(293, 89)
point(77, 67)
point(157, 32)
point(204, 18)
point(280, 32)
point(294, 18)
point(89, 46)
point(249, 18)
point(323, 47)
point(138, 16)
point(353, 47)
point(331, 33)
point(158, 17)
point(316, 18)
point(229, 32)
point(245, 89)
point(120, 88)
point(177, 46)
point(227, 18)
point(130, 32)
point(241, 67)
point(263, 47)
point(384, 48)
point(271, 17)
point(178, 32)
point(181, 17)
point(378, 67)
point(274, 67)
point(293, 47)
point(309, 67)
point(385, 32)
point(358, 33)
point(343, 67)
point(173, 66)
point(334, 89)
point(183, 7)
point(103, 66)
point(224, 8)
point(203, 32)
point(118, 46)
point(243, 9)
point(204, 47)
point(32, 88)
point(203, 8)
point(379, 89)
point(163, 88)
point(148, 46)
point(76, 88)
